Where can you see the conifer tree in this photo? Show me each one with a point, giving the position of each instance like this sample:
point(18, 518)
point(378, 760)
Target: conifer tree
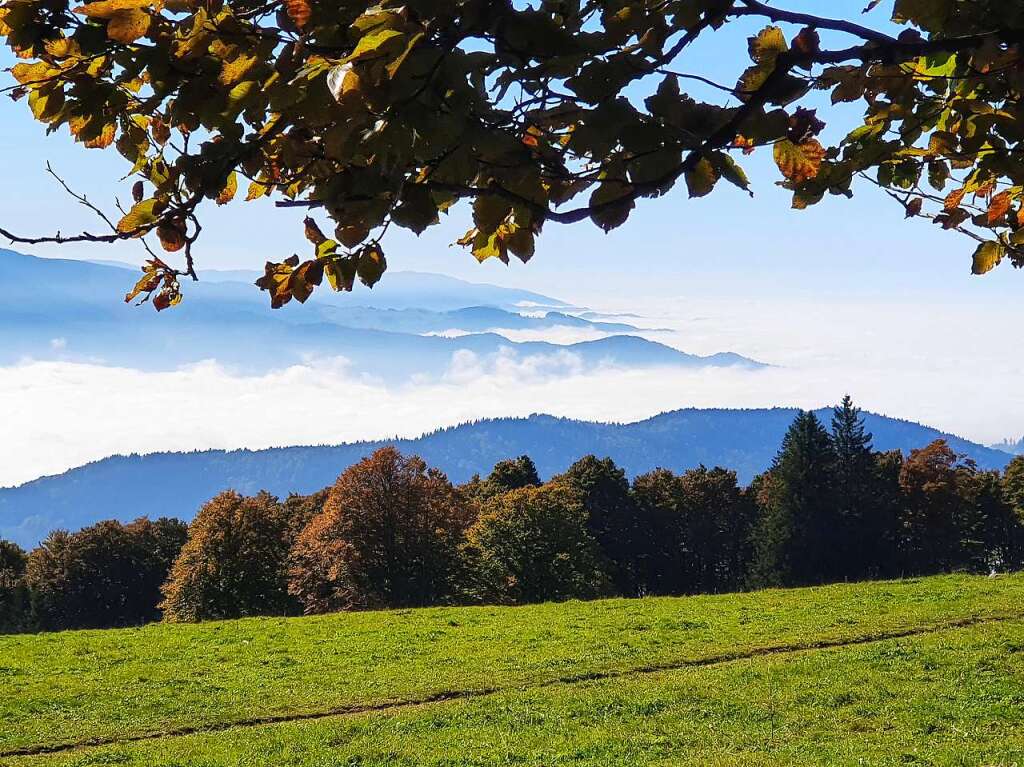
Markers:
point(862, 534)
point(796, 534)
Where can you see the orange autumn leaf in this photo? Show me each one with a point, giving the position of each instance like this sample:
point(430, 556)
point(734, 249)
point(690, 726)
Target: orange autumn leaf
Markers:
point(799, 162)
point(999, 206)
point(299, 12)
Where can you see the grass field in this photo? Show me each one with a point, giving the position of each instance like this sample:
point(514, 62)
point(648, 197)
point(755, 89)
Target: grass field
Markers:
point(914, 672)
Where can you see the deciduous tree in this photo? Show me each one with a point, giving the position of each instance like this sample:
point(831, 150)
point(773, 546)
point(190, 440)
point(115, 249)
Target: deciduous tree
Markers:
point(235, 562)
point(611, 515)
point(103, 576)
point(378, 115)
point(936, 516)
point(388, 536)
point(532, 545)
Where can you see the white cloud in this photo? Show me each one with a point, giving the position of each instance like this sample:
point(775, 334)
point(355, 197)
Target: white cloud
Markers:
point(63, 414)
point(58, 344)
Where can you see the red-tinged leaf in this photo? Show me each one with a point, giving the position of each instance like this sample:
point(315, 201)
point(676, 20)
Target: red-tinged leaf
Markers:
point(914, 207)
point(808, 41)
point(746, 144)
point(171, 236)
point(299, 12)
point(954, 198)
point(313, 232)
point(999, 207)
point(803, 125)
point(799, 162)
point(146, 284)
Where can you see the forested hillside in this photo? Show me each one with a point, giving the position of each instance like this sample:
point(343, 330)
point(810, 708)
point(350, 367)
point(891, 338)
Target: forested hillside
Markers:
point(176, 484)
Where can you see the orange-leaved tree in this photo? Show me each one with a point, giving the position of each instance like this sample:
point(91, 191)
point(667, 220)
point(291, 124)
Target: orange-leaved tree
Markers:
point(234, 563)
point(388, 536)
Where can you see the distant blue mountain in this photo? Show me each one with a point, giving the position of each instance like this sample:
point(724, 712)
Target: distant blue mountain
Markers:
point(1011, 446)
point(469, 319)
point(401, 290)
point(57, 309)
point(176, 484)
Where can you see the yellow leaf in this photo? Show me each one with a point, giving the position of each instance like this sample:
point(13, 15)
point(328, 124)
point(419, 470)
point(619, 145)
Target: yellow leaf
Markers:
point(129, 25)
point(235, 69)
point(141, 215)
point(227, 194)
point(105, 9)
point(257, 190)
point(987, 257)
point(766, 45)
point(28, 74)
point(104, 138)
point(377, 44)
point(46, 104)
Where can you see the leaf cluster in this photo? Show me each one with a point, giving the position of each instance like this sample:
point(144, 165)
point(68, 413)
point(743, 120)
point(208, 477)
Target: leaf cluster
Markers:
point(390, 114)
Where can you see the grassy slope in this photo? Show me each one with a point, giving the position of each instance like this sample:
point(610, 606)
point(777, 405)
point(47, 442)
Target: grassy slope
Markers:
point(888, 698)
point(951, 698)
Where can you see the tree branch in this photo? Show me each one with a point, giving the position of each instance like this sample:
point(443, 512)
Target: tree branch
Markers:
point(757, 8)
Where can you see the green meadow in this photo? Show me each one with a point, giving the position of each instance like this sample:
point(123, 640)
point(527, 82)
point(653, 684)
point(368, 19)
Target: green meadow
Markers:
point(927, 671)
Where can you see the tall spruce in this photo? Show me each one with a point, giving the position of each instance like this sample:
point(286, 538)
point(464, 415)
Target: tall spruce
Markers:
point(862, 540)
point(795, 537)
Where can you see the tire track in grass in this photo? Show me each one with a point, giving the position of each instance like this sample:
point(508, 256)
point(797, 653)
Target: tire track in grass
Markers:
point(481, 692)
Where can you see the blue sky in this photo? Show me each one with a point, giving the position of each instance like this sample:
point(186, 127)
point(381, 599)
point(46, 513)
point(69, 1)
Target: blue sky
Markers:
point(846, 296)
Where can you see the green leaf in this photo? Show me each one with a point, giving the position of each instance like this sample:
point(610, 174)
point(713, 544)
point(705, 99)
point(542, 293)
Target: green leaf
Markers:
point(417, 210)
point(766, 45)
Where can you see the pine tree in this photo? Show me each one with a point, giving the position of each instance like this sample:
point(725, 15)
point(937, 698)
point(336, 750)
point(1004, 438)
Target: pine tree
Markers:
point(795, 536)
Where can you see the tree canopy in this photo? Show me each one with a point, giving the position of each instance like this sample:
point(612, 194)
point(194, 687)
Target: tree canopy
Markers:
point(541, 112)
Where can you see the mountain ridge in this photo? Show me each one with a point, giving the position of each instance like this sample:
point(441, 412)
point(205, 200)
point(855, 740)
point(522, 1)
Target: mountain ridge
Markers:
point(74, 313)
point(124, 487)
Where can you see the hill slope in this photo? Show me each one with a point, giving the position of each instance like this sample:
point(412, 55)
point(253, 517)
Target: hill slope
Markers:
point(176, 484)
point(871, 673)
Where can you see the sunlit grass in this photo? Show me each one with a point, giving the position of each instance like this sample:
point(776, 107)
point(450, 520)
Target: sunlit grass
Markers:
point(952, 694)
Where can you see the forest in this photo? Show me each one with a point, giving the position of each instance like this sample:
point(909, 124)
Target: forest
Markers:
point(393, 532)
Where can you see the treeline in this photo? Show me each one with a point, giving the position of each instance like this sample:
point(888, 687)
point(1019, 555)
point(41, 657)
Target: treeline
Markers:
point(392, 532)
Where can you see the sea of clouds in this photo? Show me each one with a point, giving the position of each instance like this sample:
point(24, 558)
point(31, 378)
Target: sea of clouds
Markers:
point(938, 367)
